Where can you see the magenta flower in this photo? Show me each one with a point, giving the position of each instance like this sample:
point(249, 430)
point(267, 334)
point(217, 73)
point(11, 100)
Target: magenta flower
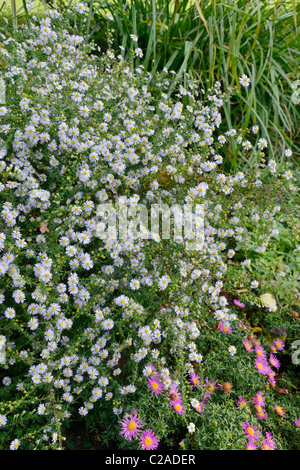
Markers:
point(260, 352)
point(272, 382)
point(131, 426)
point(261, 366)
point(238, 303)
point(279, 410)
point(211, 386)
point(259, 399)
point(174, 394)
point(262, 415)
point(251, 432)
point(241, 403)
point(279, 344)
point(178, 407)
point(271, 373)
point(274, 361)
point(268, 442)
point(248, 345)
point(251, 445)
point(260, 412)
point(224, 328)
point(200, 407)
point(194, 379)
point(156, 385)
point(297, 422)
point(148, 440)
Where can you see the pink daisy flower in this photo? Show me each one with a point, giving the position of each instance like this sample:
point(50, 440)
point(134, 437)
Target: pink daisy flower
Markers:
point(272, 382)
point(195, 380)
point(238, 303)
point(200, 407)
point(297, 422)
point(259, 399)
point(279, 410)
point(224, 328)
point(279, 344)
point(251, 445)
point(148, 440)
point(260, 352)
point(260, 413)
point(261, 366)
point(156, 385)
point(271, 374)
point(174, 394)
point(251, 431)
point(131, 426)
point(241, 403)
point(274, 361)
point(248, 345)
point(211, 386)
point(178, 407)
point(268, 442)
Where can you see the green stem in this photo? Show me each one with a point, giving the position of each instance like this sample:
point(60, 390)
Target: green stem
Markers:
point(14, 13)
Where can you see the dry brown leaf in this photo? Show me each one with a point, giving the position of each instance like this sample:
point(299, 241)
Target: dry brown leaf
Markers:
point(284, 391)
point(43, 228)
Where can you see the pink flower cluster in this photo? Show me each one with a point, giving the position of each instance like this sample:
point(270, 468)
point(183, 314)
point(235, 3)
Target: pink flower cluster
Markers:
point(261, 361)
point(155, 383)
point(132, 429)
point(254, 436)
point(259, 406)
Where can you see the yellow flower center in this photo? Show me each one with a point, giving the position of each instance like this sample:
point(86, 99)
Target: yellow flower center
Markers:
point(131, 426)
point(148, 441)
point(178, 407)
point(250, 431)
point(155, 385)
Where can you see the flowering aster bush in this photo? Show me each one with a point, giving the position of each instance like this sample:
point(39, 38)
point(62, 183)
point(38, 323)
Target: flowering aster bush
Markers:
point(140, 332)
